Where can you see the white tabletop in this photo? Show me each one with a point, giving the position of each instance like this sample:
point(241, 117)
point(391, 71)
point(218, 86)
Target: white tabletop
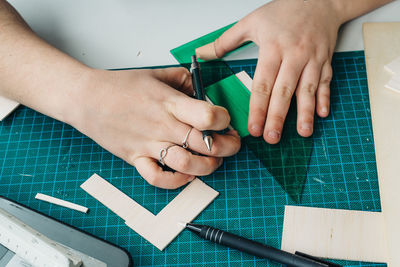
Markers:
point(120, 33)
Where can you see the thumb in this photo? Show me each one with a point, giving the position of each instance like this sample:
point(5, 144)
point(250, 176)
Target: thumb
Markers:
point(178, 78)
point(228, 41)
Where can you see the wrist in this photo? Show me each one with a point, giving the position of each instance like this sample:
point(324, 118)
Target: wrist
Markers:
point(73, 99)
point(350, 9)
point(340, 9)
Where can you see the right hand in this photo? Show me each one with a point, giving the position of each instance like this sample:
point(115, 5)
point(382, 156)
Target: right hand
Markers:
point(136, 113)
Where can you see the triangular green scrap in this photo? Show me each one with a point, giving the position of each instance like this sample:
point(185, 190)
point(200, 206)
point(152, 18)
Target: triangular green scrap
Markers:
point(286, 161)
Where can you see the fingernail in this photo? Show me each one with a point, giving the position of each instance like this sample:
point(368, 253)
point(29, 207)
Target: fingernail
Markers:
point(191, 178)
point(306, 126)
point(324, 110)
point(221, 160)
point(273, 134)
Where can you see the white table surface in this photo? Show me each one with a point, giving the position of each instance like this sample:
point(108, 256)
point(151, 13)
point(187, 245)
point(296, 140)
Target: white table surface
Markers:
point(130, 33)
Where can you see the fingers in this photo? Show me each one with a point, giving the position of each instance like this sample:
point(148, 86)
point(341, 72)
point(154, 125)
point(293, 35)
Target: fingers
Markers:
point(184, 161)
point(178, 78)
point(282, 93)
point(199, 114)
point(223, 145)
point(228, 41)
point(323, 91)
point(264, 79)
point(305, 94)
point(154, 174)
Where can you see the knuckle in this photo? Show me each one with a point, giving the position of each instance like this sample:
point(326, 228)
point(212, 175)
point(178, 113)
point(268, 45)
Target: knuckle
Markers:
point(183, 70)
point(309, 88)
point(209, 117)
point(322, 56)
point(285, 91)
point(263, 88)
point(277, 119)
point(183, 162)
point(304, 48)
point(326, 80)
point(327, 76)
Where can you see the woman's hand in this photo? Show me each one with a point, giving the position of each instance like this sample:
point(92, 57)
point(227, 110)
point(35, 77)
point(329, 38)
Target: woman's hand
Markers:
point(135, 114)
point(296, 39)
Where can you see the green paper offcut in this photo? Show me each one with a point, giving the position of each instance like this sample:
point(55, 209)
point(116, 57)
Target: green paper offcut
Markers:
point(286, 161)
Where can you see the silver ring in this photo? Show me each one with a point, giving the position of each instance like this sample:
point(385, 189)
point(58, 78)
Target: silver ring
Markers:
point(163, 154)
point(185, 143)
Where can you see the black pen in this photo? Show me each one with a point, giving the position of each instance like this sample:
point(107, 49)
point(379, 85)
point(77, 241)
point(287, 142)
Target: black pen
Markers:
point(199, 94)
point(256, 248)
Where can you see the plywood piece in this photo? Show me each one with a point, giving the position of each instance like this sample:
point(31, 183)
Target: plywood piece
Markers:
point(6, 107)
point(394, 66)
point(382, 45)
point(158, 229)
point(335, 234)
point(61, 202)
point(245, 79)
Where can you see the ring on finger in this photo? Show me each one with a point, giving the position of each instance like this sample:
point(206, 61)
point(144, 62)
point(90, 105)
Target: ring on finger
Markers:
point(163, 154)
point(185, 143)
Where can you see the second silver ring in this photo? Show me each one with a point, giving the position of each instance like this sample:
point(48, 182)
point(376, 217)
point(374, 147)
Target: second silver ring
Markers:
point(185, 143)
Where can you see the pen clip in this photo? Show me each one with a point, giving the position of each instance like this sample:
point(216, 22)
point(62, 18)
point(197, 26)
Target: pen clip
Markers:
point(327, 263)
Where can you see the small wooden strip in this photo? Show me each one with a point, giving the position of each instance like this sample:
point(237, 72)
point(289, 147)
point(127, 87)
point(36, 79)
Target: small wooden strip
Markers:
point(61, 202)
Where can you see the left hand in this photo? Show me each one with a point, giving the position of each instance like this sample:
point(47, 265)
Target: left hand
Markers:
point(296, 40)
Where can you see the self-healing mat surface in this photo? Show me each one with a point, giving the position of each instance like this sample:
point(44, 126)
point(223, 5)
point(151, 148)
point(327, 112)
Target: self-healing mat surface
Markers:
point(39, 154)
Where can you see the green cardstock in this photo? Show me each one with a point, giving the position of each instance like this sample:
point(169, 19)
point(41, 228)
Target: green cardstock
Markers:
point(234, 96)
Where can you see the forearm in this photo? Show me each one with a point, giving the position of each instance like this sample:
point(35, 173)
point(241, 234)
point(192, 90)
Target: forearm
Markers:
point(36, 74)
point(350, 9)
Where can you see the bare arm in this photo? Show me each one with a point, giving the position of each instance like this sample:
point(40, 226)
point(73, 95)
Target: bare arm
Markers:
point(134, 114)
point(36, 74)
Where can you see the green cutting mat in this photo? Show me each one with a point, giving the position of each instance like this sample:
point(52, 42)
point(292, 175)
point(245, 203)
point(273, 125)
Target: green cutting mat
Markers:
point(39, 154)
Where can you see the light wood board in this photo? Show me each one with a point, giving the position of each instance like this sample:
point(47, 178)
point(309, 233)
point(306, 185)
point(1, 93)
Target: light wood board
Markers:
point(335, 234)
point(382, 45)
point(6, 107)
point(158, 229)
